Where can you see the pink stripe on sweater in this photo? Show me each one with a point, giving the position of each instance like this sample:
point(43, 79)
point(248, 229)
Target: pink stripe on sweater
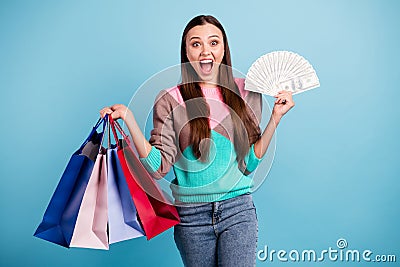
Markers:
point(218, 110)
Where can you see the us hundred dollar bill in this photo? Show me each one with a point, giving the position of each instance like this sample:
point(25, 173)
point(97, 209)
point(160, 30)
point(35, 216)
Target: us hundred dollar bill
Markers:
point(300, 83)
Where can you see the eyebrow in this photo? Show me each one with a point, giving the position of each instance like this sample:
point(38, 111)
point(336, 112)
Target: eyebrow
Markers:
point(211, 36)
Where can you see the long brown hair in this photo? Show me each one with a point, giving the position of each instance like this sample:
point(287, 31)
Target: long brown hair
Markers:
point(198, 111)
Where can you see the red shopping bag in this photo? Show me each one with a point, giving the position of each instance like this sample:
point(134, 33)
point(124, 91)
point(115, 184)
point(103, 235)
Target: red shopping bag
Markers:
point(155, 212)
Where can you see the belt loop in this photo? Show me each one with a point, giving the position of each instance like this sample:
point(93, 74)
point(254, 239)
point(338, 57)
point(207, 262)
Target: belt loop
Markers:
point(213, 213)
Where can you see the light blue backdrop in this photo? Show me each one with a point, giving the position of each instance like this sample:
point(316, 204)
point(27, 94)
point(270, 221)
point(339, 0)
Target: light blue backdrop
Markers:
point(336, 168)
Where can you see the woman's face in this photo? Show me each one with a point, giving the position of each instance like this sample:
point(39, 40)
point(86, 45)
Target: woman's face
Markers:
point(205, 51)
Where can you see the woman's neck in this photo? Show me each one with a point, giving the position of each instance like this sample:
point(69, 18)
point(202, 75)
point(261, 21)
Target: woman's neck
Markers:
point(208, 85)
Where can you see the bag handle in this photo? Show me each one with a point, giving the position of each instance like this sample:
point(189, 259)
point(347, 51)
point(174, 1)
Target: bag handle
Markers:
point(105, 124)
point(119, 128)
point(114, 124)
point(111, 120)
point(94, 129)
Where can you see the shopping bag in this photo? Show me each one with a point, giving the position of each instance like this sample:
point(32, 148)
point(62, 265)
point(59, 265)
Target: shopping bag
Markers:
point(156, 214)
point(123, 223)
point(60, 216)
point(91, 224)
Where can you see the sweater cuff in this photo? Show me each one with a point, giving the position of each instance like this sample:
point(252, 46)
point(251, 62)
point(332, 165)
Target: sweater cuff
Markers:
point(153, 161)
point(252, 161)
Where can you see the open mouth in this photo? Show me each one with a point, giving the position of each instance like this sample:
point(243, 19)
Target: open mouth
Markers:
point(206, 66)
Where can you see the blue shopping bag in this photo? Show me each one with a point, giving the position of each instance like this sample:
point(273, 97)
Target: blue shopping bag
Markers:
point(123, 223)
point(59, 219)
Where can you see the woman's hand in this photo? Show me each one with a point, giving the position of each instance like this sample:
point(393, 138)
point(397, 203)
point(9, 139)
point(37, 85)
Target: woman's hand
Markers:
point(283, 103)
point(120, 111)
point(117, 111)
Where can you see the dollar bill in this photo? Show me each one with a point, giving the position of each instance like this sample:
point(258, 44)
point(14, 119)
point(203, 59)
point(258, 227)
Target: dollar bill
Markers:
point(300, 83)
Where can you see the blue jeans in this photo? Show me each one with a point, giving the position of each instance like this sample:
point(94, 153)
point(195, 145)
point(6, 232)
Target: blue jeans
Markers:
point(222, 233)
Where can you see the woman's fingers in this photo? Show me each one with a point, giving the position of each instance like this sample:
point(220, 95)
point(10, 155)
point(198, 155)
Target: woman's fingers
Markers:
point(280, 100)
point(116, 111)
point(118, 107)
point(119, 111)
point(283, 94)
point(283, 97)
point(105, 111)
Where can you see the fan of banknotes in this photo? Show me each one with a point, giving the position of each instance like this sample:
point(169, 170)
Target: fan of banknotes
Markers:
point(281, 70)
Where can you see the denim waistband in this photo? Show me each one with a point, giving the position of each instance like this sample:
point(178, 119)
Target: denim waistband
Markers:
point(241, 198)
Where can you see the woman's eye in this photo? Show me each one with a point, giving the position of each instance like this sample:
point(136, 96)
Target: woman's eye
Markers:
point(196, 44)
point(213, 43)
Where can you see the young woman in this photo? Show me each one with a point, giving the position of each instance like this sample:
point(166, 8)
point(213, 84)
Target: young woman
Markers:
point(207, 129)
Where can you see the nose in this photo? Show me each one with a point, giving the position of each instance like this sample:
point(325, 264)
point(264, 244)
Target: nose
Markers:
point(205, 51)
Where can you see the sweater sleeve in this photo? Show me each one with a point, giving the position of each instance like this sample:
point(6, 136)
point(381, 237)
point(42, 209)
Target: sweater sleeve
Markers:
point(253, 102)
point(252, 161)
point(163, 138)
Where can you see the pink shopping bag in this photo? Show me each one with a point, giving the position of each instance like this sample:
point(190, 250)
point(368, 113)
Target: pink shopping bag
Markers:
point(91, 225)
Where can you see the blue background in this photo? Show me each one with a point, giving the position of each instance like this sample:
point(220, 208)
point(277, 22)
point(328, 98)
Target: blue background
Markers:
point(336, 168)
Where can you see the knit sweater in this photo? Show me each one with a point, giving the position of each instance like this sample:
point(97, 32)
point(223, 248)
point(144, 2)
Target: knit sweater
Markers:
point(218, 178)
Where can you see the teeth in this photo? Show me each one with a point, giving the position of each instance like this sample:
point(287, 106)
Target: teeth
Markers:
point(206, 61)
